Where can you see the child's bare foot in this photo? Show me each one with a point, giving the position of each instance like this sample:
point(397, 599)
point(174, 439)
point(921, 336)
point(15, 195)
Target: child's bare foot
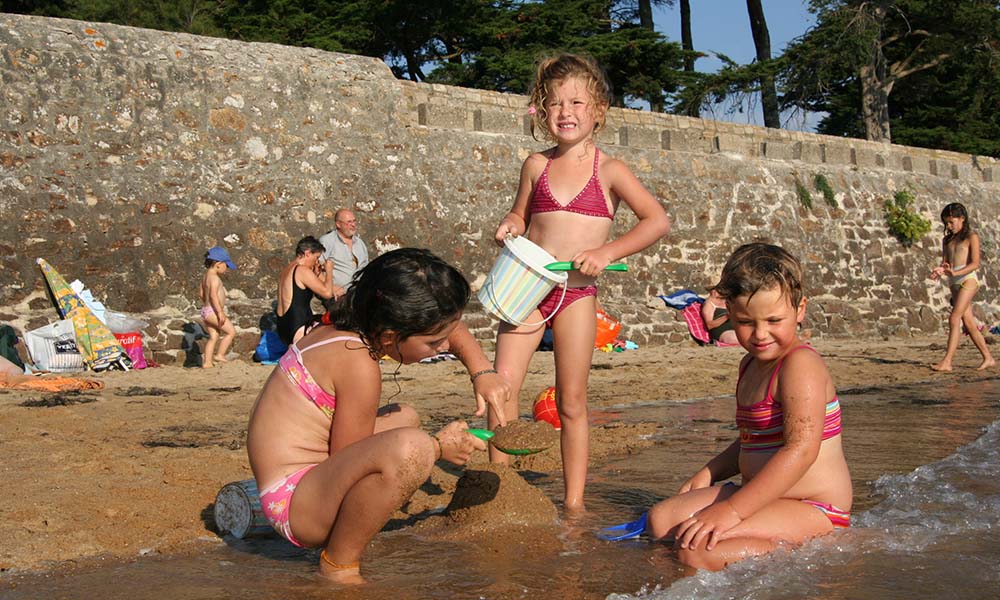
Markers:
point(574, 509)
point(221, 359)
point(347, 574)
point(207, 364)
point(987, 363)
point(941, 366)
point(343, 576)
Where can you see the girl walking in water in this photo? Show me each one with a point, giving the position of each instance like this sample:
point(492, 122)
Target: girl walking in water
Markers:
point(959, 262)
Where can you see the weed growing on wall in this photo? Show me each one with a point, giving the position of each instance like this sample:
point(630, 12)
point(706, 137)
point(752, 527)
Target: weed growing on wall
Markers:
point(905, 224)
point(823, 185)
point(804, 196)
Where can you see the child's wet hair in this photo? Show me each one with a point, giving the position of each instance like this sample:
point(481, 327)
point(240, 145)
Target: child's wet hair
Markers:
point(956, 210)
point(409, 291)
point(309, 244)
point(759, 266)
point(209, 261)
point(556, 69)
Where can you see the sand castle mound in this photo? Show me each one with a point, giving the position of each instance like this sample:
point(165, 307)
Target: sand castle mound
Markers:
point(493, 504)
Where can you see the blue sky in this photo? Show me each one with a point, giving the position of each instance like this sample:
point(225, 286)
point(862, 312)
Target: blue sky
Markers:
point(724, 26)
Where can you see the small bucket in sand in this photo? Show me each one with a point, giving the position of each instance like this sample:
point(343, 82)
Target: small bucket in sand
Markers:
point(238, 512)
point(519, 281)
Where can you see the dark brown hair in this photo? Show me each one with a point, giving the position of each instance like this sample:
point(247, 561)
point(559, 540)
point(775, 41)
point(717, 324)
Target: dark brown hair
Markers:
point(759, 266)
point(956, 210)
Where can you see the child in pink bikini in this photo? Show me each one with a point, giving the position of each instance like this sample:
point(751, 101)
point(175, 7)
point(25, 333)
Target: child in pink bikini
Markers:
point(331, 466)
point(566, 203)
point(794, 479)
point(212, 293)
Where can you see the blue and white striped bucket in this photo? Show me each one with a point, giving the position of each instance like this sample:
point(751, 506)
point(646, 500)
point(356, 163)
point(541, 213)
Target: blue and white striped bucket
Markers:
point(237, 510)
point(519, 281)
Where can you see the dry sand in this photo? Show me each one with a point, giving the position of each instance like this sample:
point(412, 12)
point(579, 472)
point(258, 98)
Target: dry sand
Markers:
point(134, 468)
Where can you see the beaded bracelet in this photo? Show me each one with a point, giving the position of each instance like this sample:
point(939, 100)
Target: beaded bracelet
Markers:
point(483, 372)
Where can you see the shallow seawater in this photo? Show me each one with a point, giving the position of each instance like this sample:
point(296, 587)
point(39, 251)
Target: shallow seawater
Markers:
point(926, 466)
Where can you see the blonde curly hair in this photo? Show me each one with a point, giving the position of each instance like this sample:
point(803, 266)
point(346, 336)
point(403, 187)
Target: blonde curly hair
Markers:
point(553, 70)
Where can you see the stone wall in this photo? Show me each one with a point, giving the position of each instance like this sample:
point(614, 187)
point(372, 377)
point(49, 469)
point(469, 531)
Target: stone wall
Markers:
point(125, 153)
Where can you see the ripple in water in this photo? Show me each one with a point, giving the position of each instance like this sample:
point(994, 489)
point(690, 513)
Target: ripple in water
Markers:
point(933, 534)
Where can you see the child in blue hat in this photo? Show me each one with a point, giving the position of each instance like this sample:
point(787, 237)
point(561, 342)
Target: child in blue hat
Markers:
point(217, 325)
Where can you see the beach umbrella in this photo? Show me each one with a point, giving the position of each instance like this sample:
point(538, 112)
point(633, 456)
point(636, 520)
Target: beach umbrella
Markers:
point(98, 346)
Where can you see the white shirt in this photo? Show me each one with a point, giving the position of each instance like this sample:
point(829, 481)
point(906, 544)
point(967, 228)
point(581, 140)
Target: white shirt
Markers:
point(344, 258)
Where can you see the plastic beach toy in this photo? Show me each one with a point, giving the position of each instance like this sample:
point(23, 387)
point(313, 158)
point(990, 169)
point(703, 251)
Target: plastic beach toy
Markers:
point(566, 265)
point(625, 531)
point(487, 435)
point(544, 408)
point(519, 281)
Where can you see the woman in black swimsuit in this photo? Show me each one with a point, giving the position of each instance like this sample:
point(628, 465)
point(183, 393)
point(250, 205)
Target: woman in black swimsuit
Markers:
point(302, 279)
point(716, 318)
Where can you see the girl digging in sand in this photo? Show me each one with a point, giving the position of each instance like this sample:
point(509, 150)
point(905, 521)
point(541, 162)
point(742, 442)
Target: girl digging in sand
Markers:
point(331, 477)
point(566, 202)
point(795, 482)
point(217, 325)
point(959, 262)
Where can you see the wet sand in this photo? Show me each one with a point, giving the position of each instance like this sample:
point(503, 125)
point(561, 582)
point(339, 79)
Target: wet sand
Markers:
point(133, 469)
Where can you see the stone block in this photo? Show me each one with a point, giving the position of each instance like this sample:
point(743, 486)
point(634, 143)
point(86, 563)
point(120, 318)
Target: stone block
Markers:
point(609, 135)
point(869, 158)
point(919, 164)
point(690, 140)
point(638, 136)
point(837, 154)
point(957, 171)
point(498, 120)
point(898, 160)
point(781, 150)
point(445, 115)
point(727, 142)
point(810, 152)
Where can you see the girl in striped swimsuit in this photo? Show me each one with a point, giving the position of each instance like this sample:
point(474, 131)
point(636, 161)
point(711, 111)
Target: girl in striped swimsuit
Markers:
point(795, 484)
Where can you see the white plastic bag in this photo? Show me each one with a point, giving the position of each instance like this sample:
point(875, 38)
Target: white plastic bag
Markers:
point(121, 323)
point(53, 347)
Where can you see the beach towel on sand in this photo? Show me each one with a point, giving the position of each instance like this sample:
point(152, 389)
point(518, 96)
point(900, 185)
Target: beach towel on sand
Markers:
point(681, 299)
point(48, 384)
point(696, 325)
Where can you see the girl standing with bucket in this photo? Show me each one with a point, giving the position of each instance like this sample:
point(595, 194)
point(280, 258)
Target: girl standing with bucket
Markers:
point(566, 202)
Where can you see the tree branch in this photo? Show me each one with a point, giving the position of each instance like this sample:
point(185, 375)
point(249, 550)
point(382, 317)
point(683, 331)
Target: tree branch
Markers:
point(902, 69)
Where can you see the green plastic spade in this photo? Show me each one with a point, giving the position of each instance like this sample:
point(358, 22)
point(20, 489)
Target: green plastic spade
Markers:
point(566, 265)
point(486, 435)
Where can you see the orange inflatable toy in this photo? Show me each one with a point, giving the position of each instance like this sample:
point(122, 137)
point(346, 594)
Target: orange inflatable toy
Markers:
point(607, 329)
point(545, 408)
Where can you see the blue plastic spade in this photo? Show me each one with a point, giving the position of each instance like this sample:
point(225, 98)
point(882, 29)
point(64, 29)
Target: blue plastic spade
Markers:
point(625, 531)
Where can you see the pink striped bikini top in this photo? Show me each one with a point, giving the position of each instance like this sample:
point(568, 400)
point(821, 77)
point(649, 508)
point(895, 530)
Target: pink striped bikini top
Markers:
point(590, 201)
point(291, 364)
point(762, 425)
